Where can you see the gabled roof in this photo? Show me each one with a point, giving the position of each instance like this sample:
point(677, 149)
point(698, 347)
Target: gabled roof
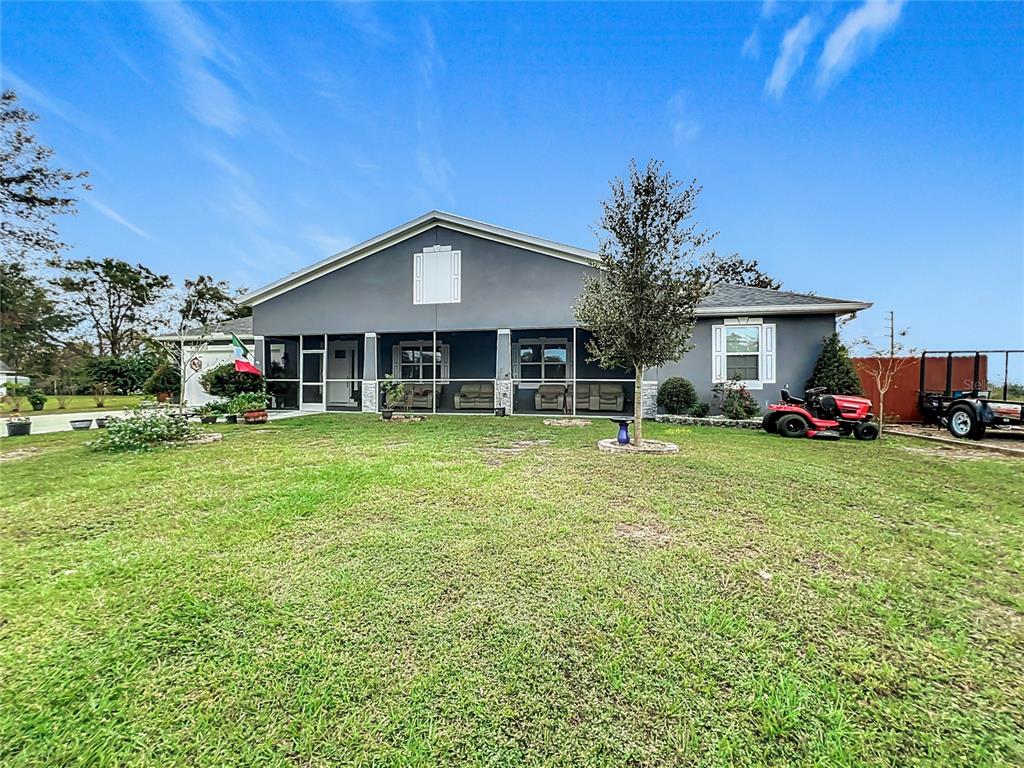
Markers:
point(240, 326)
point(410, 229)
point(4, 368)
point(729, 299)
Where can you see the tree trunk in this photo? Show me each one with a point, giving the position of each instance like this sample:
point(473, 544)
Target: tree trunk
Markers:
point(638, 407)
point(881, 412)
point(181, 374)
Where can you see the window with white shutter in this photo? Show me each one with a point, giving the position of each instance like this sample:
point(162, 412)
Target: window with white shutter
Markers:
point(437, 275)
point(744, 349)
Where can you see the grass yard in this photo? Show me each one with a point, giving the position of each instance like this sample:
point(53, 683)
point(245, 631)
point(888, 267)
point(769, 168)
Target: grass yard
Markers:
point(334, 590)
point(75, 404)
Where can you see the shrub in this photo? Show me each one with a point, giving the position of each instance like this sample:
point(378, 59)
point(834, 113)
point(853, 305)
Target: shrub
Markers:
point(36, 399)
point(143, 429)
point(394, 393)
point(165, 378)
point(225, 381)
point(125, 374)
point(15, 394)
point(834, 369)
point(248, 401)
point(677, 396)
point(735, 400)
point(700, 410)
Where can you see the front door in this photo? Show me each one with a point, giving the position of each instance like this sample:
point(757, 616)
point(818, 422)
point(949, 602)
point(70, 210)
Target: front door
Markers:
point(341, 371)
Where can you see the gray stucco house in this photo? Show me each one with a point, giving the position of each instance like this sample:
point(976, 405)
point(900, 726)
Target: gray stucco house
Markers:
point(474, 316)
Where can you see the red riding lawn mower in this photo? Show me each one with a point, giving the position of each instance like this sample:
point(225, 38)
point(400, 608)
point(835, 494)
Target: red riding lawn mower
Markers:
point(821, 416)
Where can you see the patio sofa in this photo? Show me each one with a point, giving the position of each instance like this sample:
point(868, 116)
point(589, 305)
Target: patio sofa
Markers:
point(419, 396)
point(600, 397)
point(475, 396)
point(550, 397)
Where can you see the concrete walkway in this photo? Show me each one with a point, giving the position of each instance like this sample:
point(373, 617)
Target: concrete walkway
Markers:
point(61, 422)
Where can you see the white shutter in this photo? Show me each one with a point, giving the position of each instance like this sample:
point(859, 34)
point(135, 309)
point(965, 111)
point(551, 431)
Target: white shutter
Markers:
point(396, 361)
point(417, 278)
point(717, 353)
point(515, 362)
point(768, 353)
point(444, 363)
point(456, 292)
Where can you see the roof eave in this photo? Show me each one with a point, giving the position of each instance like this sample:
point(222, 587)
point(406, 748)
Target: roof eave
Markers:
point(836, 308)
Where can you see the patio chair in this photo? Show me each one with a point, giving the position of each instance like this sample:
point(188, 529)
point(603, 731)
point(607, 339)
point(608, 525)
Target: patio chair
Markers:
point(606, 397)
point(550, 397)
point(475, 396)
point(419, 396)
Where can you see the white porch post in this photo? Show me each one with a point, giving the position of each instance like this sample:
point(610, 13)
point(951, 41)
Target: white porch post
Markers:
point(503, 371)
point(435, 359)
point(573, 385)
point(369, 385)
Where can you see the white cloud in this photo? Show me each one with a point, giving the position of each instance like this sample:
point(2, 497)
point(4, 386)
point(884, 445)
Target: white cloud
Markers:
point(752, 45)
point(684, 128)
point(199, 57)
point(436, 172)
point(51, 104)
point(857, 35)
point(768, 7)
point(326, 243)
point(113, 215)
point(791, 56)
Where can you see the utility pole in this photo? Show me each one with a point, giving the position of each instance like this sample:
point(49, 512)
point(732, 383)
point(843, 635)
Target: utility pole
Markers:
point(892, 334)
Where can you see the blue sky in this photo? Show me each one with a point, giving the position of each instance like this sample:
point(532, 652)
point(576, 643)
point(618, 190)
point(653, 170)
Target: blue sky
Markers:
point(869, 151)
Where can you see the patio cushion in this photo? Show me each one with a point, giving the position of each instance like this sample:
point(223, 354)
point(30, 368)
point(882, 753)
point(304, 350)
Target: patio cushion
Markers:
point(550, 397)
point(478, 395)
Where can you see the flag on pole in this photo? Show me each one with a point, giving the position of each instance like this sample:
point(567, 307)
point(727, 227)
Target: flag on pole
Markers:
point(243, 361)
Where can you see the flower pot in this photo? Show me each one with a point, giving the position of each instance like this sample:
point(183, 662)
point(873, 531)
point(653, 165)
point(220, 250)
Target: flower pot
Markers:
point(231, 418)
point(81, 423)
point(211, 419)
point(255, 417)
point(18, 428)
point(37, 406)
point(386, 414)
point(101, 422)
point(163, 397)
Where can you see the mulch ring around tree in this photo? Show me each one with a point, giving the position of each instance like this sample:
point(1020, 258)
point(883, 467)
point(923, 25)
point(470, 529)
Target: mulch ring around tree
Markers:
point(654, 447)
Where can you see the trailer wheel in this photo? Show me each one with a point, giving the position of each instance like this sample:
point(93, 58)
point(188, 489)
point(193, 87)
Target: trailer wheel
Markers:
point(792, 425)
point(770, 423)
point(865, 430)
point(963, 423)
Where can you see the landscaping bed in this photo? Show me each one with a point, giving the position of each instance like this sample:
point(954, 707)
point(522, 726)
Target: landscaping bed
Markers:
point(330, 591)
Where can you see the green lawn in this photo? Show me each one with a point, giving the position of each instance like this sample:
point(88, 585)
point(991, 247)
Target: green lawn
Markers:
point(335, 590)
point(74, 404)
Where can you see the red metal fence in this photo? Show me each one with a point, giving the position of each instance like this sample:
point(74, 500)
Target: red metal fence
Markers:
point(901, 399)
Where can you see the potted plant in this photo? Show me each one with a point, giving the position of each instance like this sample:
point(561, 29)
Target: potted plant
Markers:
point(81, 423)
point(253, 405)
point(19, 425)
point(36, 399)
point(206, 414)
point(394, 396)
point(223, 408)
point(101, 422)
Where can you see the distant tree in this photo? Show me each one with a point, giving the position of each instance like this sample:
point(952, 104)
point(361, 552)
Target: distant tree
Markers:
point(834, 369)
point(119, 300)
point(641, 307)
point(736, 270)
point(32, 192)
point(31, 323)
point(206, 301)
point(123, 375)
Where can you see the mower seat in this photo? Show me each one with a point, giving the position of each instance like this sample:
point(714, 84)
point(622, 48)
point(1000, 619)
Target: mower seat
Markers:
point(788, 398)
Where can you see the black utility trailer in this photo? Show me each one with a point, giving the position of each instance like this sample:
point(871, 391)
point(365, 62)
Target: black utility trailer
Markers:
point(968, 412)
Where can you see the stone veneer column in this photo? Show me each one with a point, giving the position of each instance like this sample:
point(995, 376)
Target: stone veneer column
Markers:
point(649, 398)
point(503, 371)
point(369, 387)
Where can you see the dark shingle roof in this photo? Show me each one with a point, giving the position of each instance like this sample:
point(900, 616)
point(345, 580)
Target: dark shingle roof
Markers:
point(728, 295)
point(241, 326)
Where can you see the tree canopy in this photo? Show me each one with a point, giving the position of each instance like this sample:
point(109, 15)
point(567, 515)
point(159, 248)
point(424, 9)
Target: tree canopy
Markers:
point(641, 307)
point(32, 191)
point(31, 322)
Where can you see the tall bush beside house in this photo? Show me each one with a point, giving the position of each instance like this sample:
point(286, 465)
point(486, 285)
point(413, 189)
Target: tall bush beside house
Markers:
point(834, 369)
point(677, 396)
point(163, 382)
point(225, 381)
point(641, 307)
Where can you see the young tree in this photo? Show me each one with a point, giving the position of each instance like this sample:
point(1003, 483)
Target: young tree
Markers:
point(886, 361)
point(31, 323)
point(31, 191)
point(119, 300)
point(834, 369)
point(195, 308)
point(736, 270)
point(641, 308)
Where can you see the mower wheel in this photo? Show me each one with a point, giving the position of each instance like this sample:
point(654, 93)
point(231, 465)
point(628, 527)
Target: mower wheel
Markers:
point(963, 423)
point(865, 430)
point(792, 425)
point(770, 423)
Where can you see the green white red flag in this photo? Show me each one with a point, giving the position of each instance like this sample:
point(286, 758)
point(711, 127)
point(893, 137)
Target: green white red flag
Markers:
point(243, 358)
